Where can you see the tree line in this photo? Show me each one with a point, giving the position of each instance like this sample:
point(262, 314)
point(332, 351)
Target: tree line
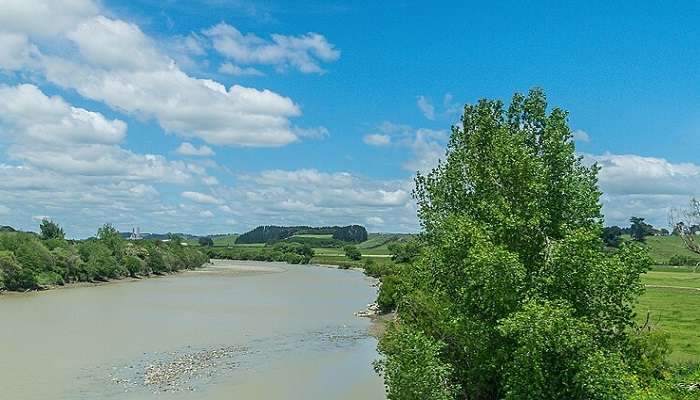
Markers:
point(273, 233)
point(31, 261)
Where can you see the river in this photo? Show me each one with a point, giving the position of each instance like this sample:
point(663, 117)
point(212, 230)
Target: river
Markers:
point(234, 330)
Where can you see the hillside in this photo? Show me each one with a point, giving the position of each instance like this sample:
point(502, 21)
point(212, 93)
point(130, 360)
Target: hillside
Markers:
point(662, 248)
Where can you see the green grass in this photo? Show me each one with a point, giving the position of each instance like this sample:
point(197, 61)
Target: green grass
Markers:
point(344, 261)
point(225, 240)
point(674, 311)
point(662, 248)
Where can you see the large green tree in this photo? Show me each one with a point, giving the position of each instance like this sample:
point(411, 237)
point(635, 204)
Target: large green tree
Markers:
point(50, 230)
point(514, 295)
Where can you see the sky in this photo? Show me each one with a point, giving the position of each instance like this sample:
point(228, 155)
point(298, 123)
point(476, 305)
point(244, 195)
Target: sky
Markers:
point(216, 116)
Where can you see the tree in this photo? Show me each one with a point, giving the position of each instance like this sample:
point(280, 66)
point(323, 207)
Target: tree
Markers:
point(12, 275)
point(404, 252)
point(110, 237)
point(513, 264)
point(352, 253)
point(612, 236)
point(640, 229)
point(50, 230)
point(206, 241)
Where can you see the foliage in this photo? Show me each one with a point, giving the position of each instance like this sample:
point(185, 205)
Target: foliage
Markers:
point(683, 260)
point(28, 262)
point(640, 229)
point(50, 230)
point(404, 252)
point(272, 234)
point(352, 252)
point(206, 241)
point(14, 276)
point(514, 282)
point(417, 370)
point(293, 253)
point(612, 236)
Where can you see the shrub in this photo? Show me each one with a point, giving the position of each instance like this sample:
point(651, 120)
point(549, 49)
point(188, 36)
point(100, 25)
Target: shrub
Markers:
point(352, 253)
point(14, 276)
point(683, 260)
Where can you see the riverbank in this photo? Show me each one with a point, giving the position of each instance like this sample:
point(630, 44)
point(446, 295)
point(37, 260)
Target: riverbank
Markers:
point(84, 284)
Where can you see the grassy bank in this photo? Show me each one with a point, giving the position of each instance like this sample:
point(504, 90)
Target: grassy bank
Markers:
point(674, 309)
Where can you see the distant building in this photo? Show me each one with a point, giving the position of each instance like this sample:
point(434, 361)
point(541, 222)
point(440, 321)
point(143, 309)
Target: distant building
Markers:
point(135, 234)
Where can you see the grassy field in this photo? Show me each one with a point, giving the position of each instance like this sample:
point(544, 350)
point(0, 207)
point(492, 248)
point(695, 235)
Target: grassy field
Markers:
point(225, 240)
point(674, 310)
point(344, 261)
point(662, 248)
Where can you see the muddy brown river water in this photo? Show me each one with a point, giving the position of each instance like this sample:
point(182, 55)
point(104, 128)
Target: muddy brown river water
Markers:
point(235, 330)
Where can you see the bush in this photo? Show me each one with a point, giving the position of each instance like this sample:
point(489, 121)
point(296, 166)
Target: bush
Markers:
point(133, 265)
point(683, 260)
point(14, 276)
point(415, 369)
point(352, 253)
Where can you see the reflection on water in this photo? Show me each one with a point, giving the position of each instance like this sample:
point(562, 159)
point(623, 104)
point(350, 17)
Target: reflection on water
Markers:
point(261, 332)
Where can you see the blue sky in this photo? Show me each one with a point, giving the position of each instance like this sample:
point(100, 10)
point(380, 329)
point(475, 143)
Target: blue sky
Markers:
point(217, 116)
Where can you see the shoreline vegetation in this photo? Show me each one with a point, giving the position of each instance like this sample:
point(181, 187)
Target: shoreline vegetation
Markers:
point(30, 261)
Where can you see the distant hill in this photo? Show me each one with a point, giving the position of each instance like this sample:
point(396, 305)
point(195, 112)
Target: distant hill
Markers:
point(272, 233)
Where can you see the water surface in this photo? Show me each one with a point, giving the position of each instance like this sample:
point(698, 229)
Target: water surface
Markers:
point(234, 330)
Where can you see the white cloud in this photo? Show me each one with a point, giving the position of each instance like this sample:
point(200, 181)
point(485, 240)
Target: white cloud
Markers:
point(235, 70)
point(644, 186)
point(375, 139)
point(426, 107)
point(15, 51)
point(45, 18)
point(318, 133)
point(304, 52)
point(309, 196)
point(188, 149)
point(4, 210)
point(451, 107)
point(49, 133)
point(116, 63)
point(428, 146)
point(374, 221)
point(581, 136)
point(29, 112)
point(210, 181)
point(201, 198)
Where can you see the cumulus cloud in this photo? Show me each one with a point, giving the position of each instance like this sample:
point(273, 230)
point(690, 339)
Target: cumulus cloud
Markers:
point(45, 18)
point(188, 149)
point(116, 63)
point(27, 111)
point(426, 146)
point(15, 51)
point(304, 52)
point(426, 107)
point(310, 196)
point(235, 70)
point(648, 187)
point(49, 133)
point(376, 139)
point(581, 136)
point(318, 133)
point(201, 198)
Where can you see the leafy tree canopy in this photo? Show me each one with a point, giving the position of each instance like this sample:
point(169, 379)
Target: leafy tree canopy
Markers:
point(513, 295)
point(50, 230)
